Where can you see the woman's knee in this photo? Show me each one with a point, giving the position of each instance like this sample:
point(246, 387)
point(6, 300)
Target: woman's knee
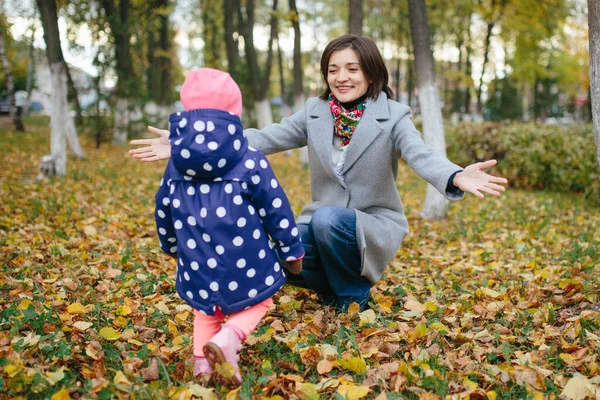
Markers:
point(328, 220)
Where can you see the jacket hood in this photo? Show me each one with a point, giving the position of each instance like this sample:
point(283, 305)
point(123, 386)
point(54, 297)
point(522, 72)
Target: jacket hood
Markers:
point(206, 143)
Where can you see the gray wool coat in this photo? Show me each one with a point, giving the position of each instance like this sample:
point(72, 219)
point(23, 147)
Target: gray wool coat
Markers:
point(367, 183)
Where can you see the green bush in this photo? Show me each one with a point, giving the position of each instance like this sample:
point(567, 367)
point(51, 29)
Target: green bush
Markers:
point(558, 158)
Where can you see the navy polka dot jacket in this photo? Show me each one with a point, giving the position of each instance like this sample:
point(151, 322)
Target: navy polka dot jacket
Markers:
point(218, 203)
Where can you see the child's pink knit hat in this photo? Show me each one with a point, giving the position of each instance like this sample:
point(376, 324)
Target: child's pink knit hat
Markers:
point(211, 88)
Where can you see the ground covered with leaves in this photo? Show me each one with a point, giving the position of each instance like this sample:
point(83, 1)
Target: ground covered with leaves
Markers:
point(499, 300)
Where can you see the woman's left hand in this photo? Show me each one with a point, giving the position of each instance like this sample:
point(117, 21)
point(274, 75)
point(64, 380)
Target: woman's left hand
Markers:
point(474, 179)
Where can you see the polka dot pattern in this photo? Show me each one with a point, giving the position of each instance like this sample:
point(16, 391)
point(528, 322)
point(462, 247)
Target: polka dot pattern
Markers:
point(217, 213)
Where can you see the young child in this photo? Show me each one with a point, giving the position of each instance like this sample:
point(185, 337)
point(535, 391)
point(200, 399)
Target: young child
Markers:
point(218, 203)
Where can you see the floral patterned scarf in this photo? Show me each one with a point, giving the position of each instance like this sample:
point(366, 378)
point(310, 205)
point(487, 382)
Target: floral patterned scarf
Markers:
point(345, 121)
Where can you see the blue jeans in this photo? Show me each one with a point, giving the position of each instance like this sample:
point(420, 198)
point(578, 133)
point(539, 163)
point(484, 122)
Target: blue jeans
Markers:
point(332, 265)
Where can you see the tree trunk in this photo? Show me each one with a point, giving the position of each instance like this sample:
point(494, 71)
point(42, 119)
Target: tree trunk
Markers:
point(72, 96)
point(594, 28)
point(526, 102)
point(260, 85)
point(30, 66)
point(121, 120)
point(166, 82)
point(355, 17)
point(117, 17)
point(299, 97)
point(61, 122)
point(486, 51)
point(231, 42)
point(284, 103)
point(152, 76)
point(10, 85)
point(60, 117)
point(435, 205)
point(468, 68)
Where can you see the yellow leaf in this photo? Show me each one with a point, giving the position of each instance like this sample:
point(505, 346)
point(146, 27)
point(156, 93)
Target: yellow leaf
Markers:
point(439, 327)
point(385, 303)
point(491, 395)
point(579, 388)
point(121, 379)
point(489, 292)
point(123, 310)
point(367, 317)
point(56, 376)
point(422, 329)
point(537, 395)
point(120, 321)
point(226, 370)
point(567, 358)
point(179, 340)
point(76, 308)
point(353, 308)
point(82, 325)
point(172, 328)
point(162, 307)
point(24, 305)
point(89, 230)
point(267, 335)
point(354, 364)
point(352, 392)
point(430, 306)
point(233, 394)
point(309, 390)
point(182, 316)
point(469, 384)
point(180, 393)
point(109, 333)
point(135, 342)
point(202, 393)
point(11, 369)
point(62, 394)
point(276, 397)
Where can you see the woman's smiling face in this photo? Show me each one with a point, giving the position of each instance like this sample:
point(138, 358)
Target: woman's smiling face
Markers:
point(345, 76)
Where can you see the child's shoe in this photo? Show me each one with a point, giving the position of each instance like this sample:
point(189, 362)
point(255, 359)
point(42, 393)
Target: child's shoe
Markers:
point(202, 370)
point(223, 349)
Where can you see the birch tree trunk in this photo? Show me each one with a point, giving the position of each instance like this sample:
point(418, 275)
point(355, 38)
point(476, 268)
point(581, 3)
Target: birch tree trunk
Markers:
point(60, 118)
point(436, 205)
point(61, 122)
point(594, 28)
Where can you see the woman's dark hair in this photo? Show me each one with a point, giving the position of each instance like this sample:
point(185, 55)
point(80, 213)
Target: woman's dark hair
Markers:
point(370, 59)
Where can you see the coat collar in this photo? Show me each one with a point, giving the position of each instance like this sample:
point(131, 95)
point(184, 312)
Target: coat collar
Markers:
point(378, 108)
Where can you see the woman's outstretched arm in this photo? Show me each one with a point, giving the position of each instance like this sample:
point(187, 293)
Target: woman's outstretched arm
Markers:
point(155, 149)
point(474, 179)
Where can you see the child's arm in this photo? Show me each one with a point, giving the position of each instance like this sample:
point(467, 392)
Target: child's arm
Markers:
point(274, 209)
point(164, 222)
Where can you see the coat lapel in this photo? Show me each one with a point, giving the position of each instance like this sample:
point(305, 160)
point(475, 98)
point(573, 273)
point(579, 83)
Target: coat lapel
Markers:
point(320, 133)
point(367, 130)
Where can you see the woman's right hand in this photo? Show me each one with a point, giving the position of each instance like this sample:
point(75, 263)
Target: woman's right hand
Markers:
point(156, 149)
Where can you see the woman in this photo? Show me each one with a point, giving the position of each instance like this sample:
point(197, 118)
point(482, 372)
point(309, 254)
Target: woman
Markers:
point(355, 134)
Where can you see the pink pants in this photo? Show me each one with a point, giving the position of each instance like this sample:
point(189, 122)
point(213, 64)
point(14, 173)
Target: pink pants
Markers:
point(207, 326)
